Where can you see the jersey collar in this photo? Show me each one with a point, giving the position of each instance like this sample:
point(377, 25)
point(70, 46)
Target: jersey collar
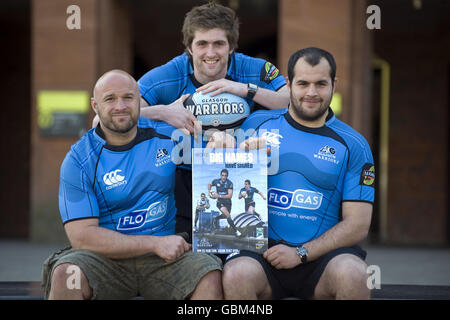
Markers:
point(329, 119)
point(197, 83)
point(101, 135)
point(325, 130)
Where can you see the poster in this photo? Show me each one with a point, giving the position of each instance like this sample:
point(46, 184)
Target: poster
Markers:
point(229, 189)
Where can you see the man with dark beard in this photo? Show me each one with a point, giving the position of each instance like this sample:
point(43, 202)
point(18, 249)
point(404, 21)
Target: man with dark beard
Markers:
point(319, 199)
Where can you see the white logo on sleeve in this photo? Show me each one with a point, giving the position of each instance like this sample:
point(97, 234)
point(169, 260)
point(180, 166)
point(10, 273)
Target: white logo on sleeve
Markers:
point(114, 179)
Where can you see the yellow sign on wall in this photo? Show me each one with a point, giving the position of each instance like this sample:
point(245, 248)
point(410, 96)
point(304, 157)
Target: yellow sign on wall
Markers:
point(336, 103)
point(62, 113)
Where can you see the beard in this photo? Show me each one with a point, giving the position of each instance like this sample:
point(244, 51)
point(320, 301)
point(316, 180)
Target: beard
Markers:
point(119, 125)
point(307, 114)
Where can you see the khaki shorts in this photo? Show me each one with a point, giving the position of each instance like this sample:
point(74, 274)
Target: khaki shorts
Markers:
point(147, 276)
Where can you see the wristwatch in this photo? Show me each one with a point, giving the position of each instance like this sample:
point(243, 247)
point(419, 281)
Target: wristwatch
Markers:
point(302, 253)
point(251, 90)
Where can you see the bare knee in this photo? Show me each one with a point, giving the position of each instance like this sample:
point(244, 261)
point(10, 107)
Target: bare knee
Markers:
point(352, 272)
point(60, 275)
point(244, 278)
point(231, 274)
point(234, 272)
point(69, 282)
point(209, 287)
point(345, 277)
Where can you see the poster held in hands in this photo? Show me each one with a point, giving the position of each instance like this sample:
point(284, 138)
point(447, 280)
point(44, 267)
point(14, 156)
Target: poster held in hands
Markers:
point(229, 189)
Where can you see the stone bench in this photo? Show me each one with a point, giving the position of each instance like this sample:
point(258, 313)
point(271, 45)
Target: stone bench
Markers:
point(30, 290)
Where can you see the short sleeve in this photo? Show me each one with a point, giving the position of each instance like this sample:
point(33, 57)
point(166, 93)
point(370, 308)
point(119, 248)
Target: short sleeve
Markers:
point(271, 77)
point(258, 71)
point(163, 84)
point(76, 196)
point(359, 180)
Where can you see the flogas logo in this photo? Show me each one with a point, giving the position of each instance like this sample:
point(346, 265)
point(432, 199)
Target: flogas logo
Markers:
point(304, 199)
point(138, 218)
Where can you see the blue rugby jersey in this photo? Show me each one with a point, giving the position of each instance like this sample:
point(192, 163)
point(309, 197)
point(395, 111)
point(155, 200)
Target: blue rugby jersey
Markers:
point(128, 188)
point(222, 187)
point(167, 83)
point(250, 193)
point(317, 169)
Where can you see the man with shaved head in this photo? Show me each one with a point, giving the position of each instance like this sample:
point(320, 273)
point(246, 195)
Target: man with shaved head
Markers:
point(122, 120)
point(117, 205)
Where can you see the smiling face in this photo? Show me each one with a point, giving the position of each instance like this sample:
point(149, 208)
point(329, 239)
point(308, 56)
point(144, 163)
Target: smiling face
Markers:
point(311, 90)
point(210, 52)
point(116, 101)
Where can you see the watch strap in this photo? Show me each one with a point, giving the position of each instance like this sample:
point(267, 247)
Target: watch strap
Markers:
point(251, 90)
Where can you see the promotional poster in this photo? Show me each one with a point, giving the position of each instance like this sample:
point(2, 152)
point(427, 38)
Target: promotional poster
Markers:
point(229, 189)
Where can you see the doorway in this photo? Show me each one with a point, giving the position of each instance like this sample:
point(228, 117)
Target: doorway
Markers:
point(15, 119)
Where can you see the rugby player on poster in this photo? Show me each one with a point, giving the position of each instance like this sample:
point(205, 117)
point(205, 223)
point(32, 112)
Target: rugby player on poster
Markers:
point(223, 194)
point(202, 205)
point(247, 192)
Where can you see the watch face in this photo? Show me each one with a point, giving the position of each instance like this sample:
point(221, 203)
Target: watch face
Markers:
point(303, 253)
point(252, 88)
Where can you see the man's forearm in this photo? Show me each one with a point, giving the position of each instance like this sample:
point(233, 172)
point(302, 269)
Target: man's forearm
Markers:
point(229, 195)
point(155, 113)
point(271, 99)
point(343, 234)
point(112, 244)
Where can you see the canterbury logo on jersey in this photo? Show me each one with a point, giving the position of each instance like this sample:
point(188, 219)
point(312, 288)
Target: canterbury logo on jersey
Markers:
point(272, 138)
point(138, 218)
point(304, 199)
point(114, 179)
